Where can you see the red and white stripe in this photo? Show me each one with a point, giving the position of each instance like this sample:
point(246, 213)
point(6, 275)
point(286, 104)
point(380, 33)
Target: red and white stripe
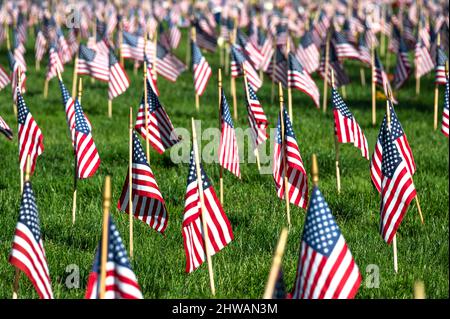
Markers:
point(228, 150)
point(267, 52)
point(118, 81)
point(202, 73)
point(40, 46)
point(348, 131)
point(308, 57)
point(54, 64)
point(97, 68)
point(4, 78)
point(423, 60)
point(303, 82)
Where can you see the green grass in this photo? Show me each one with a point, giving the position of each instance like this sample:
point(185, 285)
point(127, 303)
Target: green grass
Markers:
point(256, 214)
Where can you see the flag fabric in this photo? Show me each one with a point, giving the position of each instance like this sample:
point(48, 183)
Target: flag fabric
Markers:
point(279, 291)
point(326, 268)
point(403, 67)
point(69, 110)
point(65, 54)
point(364, 50)
point(201, 69)
point(228, 148)
point(148, 203)
point(265, 45)
point(278, 69)
point(169, 66)
point(238, 62)
point(132, 46)
point(256, 117)
point(344, 49)
point(380, 77)
point(30, 135)
point(307, 53)
point(27, 253)
point(5, 129)
point(402, 145)
point(118, 79)
point(251, 51)
point(422, 59)
point(54, 64)
point(15, 67)
point(299, 79)
point(441, 59)
point(205, 40)
point(346, 129)
point(4, 78)
point(445, 112)
point(93, 64)
point(40, 45)
point(86, 152)
point(396, 184)
point(219, 227)
point(174, 35)
point(293, 168)
point(152, 76)
point(340, 76)
point(160, 132)
point(120, 281)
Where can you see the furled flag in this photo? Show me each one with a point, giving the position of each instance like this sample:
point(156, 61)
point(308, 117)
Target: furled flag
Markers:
point(380, 78)
point(120, 281)
point(174, 35)
point(441, 59)
point(28, 252)
point(54, 63)
point(445, 112)
point(219, 227)
point(238, 62)
point(148, 203)
point(403, 67)
point(326, 268)
point(307, 53)
point(168, 65)
point(396, 184)
point(40, 45)
point(15, 68)
point(293, 168)
point(250, 50)
point(205, 40)
point(422, 59)
point(299, 79)
point(265, 45)
point(201, 69)
point(364, 50)
point(278, 68)
point(19, 51)
point(5, 129)
point(228, 148)
point(340, 77)
point(152, 76)
point(30, 135)
point(93, 64)
point(64, 51)
point(160, 132)
point(402, 144)
point(346, 129)
point(87, 156)
point(4, 78)
point(344, 49)
point(256, 117)
point(118, 80)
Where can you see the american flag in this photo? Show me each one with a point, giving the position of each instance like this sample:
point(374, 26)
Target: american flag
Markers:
point(19, 51)
point(299, 79)
point(238, 61)
point(349, 30)
point(402, 144)
point(27, 253)
point(132, 46)
point(256, 117)
point(69, 109)
point(364, 50)
point(72, 41)
point(326, 268)
point(5, 129)
point(346, 128)
point(64, 51)
point(205, 40)
point(380, 78)
point(120, 281)
point(152, 76)
point(441, 59)
point(296, 174)
point(118, 80)
point(281, 34)
point(4, 78)
point(253, 53)
point(87, 156)
point(30, 135)
point(344, 49)
point(281, 68)
point(93, 64)
point(228, 148)
point(340, 77)
point(201, 69)
point(15, 68)
point(148, 203)
point(403, 67)
point(54, 64)
point(422, 59)
point(307, 53)
point(396, 185)
point(265, 44)
point(321, 27)
point(40, 45)
point(219, 227)
point(445, 112)
point(168, 65)
point(160, 129)
point(174, 35)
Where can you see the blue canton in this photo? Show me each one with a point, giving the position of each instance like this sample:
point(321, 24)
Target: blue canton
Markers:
point(226, 114)
point(294, 64)
point(196, 54)
point(339, 104)
point(138, 152)
point(28, 213)
point(86, 53)
point(22, 109)
point(192, 177)
point(80, 121)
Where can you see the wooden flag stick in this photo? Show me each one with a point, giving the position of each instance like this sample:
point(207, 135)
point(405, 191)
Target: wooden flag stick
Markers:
point(315, 170)
point(272, 96)
point(45, 89)
point(394, 247)
point(284, 150)
point(130, 181)
point(75, 171)
point(203, 210)
point(109, 108)
point(197, 97)
point(374, 103)
point(436, 92)
point(219, 85)
point(419, 290)
point(325, 85)
point(363, 76)
point(74, 77)
point(336, 148)
point(276, 264)
point(147, 139)
point(104, 251)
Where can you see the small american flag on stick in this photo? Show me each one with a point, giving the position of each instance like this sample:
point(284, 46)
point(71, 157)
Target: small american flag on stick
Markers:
point(308, 54)
point(118, 79)
point(445, 112)
point(202, 70)
point(299, 79)
point(4, 78)
point(93, 64)
point(5, 129)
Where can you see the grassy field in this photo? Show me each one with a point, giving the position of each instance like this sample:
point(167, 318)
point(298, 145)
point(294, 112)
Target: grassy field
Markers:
point(256, 214)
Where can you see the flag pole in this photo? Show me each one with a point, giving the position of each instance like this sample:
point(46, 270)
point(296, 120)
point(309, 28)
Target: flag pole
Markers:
point(197, 97)
point(256, 152)
point(203, 209)
point(17, 272)
point(219, 84)
point(104, 251)
point(8, 45)
point(276, 264)
point(109, 108)
point(233, 80)
point(45, 89)
point(289, 89)
point(325, 85)
point(130, 181)
point(374, 103)
point(363, 76)
point(272, 96)
point(419, 290)
point(336, 148)
point(283, 150)
point(120, 43)
point(147, 141)
point(436, 91)
point(75, 171)
point(75, 66)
